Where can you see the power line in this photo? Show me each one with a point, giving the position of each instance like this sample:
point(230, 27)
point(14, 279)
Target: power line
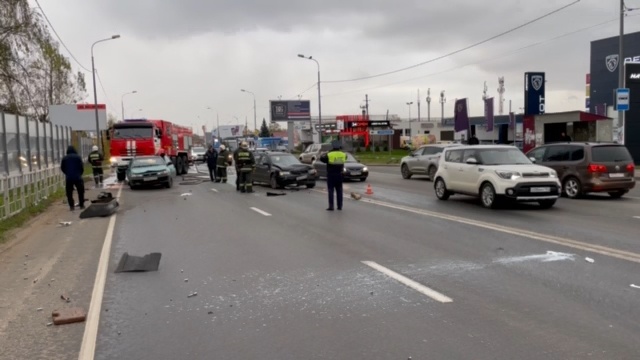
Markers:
point(459, 50)
point(59, 38)
point(309, 88)
point(490, 59)
point(103, 90)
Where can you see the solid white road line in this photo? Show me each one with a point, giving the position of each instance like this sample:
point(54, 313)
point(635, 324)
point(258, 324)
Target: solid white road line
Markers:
point(214, 190)
point(636, 217)
point(88, 347)
point(410, 283)
point(260, 211)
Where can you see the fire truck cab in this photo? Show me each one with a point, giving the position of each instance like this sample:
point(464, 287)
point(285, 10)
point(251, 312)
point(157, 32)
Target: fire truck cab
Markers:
point(142, 137)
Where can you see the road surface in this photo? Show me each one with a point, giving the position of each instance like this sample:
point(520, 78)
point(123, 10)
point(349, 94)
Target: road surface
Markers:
point(396, 275)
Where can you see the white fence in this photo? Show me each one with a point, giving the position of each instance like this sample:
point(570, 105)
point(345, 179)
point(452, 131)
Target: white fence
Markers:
point(19, 191)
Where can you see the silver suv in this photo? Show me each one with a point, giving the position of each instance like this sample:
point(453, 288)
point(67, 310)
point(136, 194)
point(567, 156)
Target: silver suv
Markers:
point(423, 161)
point(312, 153)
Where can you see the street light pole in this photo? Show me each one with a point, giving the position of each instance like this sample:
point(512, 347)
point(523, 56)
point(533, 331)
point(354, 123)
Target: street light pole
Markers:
point(122, 101)
point(409, 104)
point(429, 105)
point(621, 64)
point(255, 121)
point(319, 96)
point(443, 100)
point(95, 91)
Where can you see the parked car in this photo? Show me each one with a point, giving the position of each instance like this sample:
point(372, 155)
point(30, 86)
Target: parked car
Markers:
point(494, 173)
point(312, 152)
point(588, 167)
point(280, 169)
point(150, 170)
point(423, 161)
point(353, 170)
point(197, 154)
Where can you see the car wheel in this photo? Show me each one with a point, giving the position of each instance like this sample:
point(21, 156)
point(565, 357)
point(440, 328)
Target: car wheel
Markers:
point(617, 194)
point(441, 190)
point(572, 187)
point(363, 179)
point(488, 196)
point(547, 204)
point(132, 187)
point(432, 173)
point(273, 182)
point(121, 176)
point(169, 183)
point(313, 159)
point(406, 174)
point(311, 186)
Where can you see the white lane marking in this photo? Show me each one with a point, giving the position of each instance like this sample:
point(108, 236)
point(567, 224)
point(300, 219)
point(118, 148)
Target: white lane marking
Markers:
point(260, 211)
point(636, 217)
point(214, 190)
point(548, 257)
point(88, 347)
point(410, 283)
point(598, 249)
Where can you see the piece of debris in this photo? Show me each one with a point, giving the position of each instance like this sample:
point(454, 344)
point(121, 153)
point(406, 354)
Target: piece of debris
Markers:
point(186, 194)
point(26, 255)
point(49, 324)
point(192, 294)
point(589, 260)
point(635, 286)
point(68, 316)
point(186, 280)
point(210, 313)
point(35, 280)
point(356, 196)
point(65, 298)
point(105, 205)
point(130, 263)
point(65, 223)
point(275, 194)
point(181, 270)
point(39, 309)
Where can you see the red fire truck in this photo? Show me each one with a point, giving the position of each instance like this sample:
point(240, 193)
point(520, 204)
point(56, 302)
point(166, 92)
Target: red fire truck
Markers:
point(139, 137)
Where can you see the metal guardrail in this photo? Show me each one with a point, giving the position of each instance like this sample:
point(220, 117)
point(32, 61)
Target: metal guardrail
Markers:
point(19, 191)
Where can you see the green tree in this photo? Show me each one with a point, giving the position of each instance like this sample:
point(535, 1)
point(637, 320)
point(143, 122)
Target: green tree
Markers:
point(264, 129)
point(274, 127)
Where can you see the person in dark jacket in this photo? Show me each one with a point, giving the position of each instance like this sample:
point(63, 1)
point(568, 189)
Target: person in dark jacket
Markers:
point(95, 159)
point(245, 165)
point(73, 169)
point(473, 140)
point(335, 160)
point(212, 162)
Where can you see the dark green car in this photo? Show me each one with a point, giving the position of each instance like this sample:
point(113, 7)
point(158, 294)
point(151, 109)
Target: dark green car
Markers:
point(150, 170)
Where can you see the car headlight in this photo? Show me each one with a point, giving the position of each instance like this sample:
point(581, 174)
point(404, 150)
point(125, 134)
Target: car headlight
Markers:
point(312, 171)
point(509, 175)
point(164, 172)
point(365, 169)
point(114, 160)
point(284, 173)
point(553, 174)
point(136, 176)
point(345, 170)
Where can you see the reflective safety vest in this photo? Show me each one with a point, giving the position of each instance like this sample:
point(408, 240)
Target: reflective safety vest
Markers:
point(244, 160)
point(95, 159)
point(337, 157)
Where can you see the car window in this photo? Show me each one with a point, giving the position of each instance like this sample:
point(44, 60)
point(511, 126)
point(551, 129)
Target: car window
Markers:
point(470, 153)
point(558, 153)
point(612, 153)
point(418, 152)
point(576, 153)
point(454, 156)
point(431, 150)
point(537, 154)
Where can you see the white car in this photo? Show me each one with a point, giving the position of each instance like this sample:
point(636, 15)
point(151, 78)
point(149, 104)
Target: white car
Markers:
point(494, 173)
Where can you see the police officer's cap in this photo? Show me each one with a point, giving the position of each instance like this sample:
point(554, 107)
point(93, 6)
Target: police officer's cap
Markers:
point(336, 145)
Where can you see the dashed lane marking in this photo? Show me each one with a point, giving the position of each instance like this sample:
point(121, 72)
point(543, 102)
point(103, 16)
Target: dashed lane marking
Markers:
point(260, 211)
point(410, 283)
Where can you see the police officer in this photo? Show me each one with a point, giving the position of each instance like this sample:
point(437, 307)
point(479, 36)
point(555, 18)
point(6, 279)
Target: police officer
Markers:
point(245, 164)
point(335, 160)
point(222, 163)
point(95, 159)
point(212, 162)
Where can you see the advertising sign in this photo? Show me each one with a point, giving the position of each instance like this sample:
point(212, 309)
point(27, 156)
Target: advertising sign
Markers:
point(290, 110)
point(227, 131)
point(629, 133)
point(622, 99)
point(80, 117)
point(534, 103)
point(379, 124)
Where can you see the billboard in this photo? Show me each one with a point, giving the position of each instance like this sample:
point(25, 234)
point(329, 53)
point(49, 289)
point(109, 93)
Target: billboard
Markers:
point(80, 117)
point(605, 64)
point(290, 110)
point(227, 131)
point(631, 133)
point(534, 103)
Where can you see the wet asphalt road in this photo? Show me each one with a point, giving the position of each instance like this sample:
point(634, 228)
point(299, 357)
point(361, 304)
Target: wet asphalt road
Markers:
point(281, 278)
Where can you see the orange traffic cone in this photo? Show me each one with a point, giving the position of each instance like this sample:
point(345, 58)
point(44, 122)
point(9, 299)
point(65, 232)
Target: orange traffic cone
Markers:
point(369, 190)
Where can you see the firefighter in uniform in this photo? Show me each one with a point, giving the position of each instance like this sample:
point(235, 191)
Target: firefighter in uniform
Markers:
point(223, 162)
point(335, 160)
point(245, 164)
point(235, 163)
point(95, 159)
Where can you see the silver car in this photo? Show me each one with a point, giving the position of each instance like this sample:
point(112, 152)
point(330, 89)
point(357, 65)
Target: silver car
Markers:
point(312, 153)
point(423, 161)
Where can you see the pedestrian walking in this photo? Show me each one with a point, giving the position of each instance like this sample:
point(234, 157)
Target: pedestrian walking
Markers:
point(212, 162)
point(222, 163)
point(335, 160)
point(245, 165)
point(96, 159)
point(73, 168)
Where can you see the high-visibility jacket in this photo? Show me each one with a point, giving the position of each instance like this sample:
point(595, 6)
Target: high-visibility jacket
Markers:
point(335, 160)
point(244, 159)
point(95, 159)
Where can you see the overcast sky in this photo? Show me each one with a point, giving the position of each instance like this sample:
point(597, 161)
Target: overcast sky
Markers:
point(184, 56)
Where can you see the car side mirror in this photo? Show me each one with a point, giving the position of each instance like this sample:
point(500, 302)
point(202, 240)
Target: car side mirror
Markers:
point(533, 160)
point(472, 161)
point(265, 164)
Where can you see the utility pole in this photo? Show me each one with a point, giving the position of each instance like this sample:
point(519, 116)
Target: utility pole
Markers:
point(366, 104)
point(443, 100)
point(514, 123)
point(621, 62)
point(418, 105)
point(429, 105)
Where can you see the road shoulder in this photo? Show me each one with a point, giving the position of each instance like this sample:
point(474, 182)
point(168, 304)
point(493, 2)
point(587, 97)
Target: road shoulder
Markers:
point(42, 261)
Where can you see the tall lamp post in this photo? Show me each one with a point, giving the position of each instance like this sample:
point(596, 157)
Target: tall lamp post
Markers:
point(95, 91)
point(255, 122)
point(319, 96)
point(122, 101)
point(429, 105)
point(409, 105)
point(443, 100)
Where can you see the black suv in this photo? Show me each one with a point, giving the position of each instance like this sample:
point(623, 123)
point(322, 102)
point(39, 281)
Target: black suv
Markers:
point(588, 167)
